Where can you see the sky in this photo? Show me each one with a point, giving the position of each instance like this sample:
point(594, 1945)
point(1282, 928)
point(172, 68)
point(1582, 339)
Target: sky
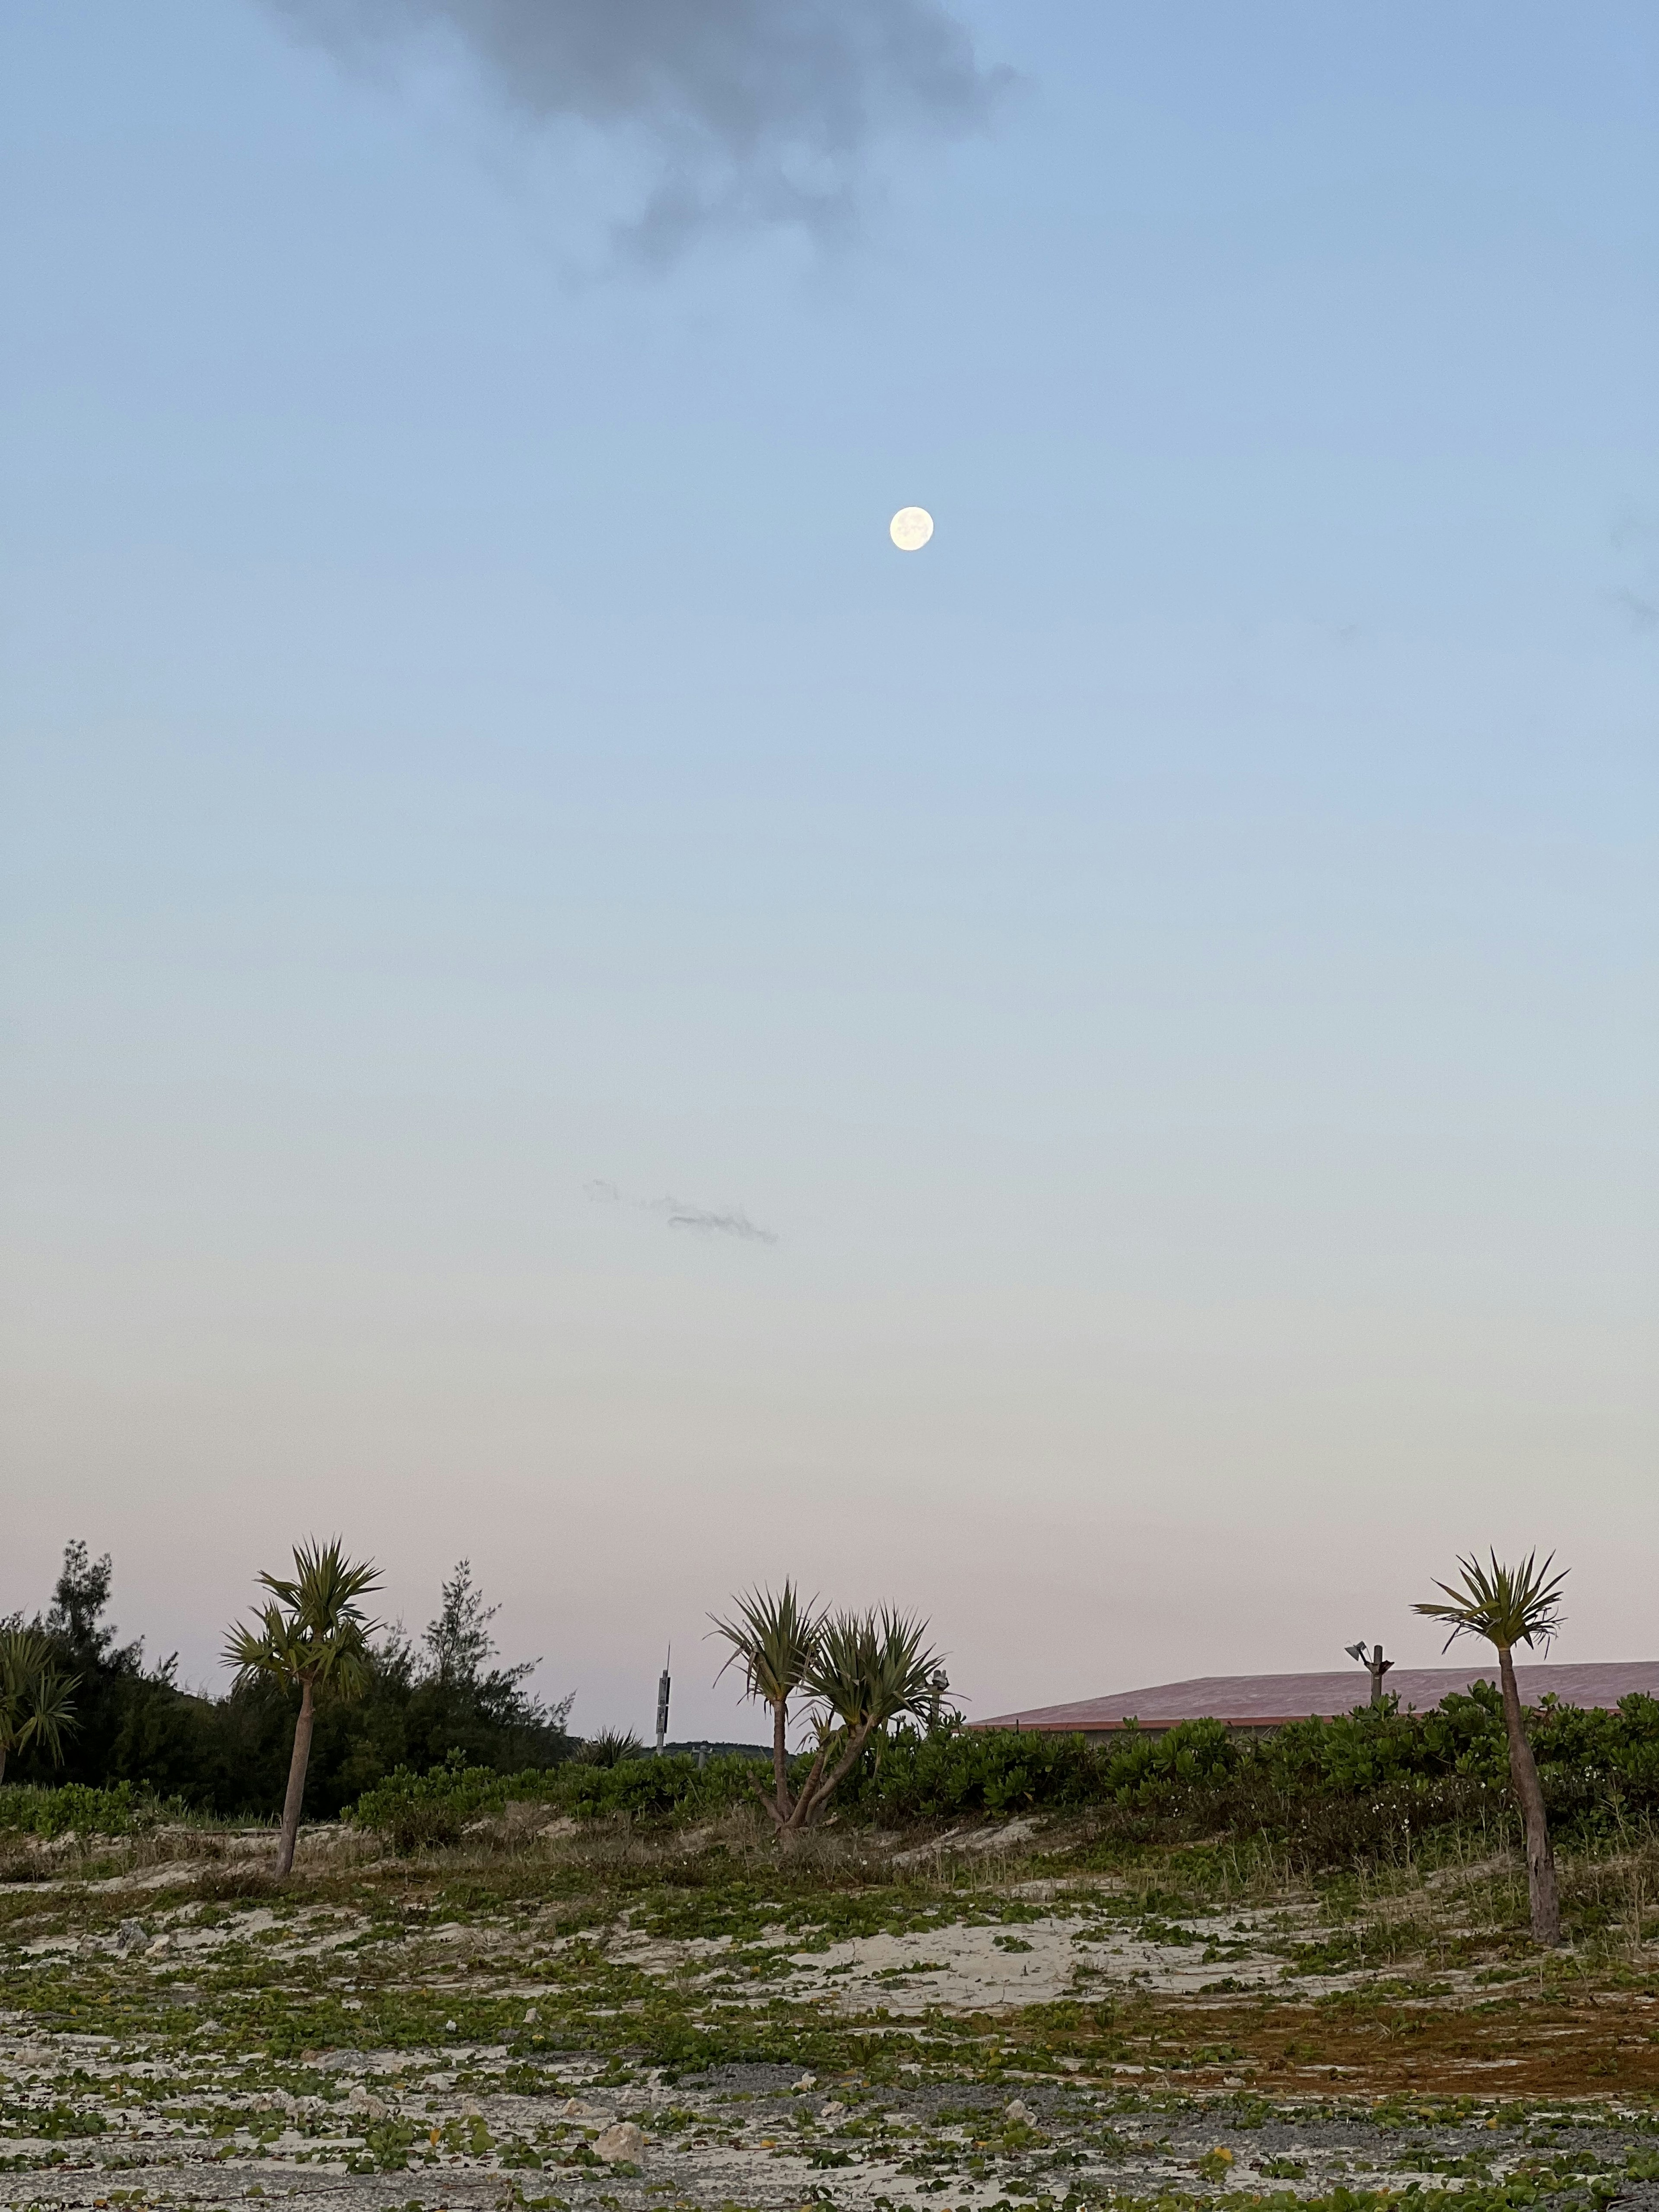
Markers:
point(565, 1004)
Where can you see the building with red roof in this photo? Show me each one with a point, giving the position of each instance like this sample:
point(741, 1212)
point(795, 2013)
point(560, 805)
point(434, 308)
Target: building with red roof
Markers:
point(1269, 1701)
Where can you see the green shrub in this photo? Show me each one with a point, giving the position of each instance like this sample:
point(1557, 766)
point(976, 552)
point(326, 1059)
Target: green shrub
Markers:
point(430, 1811)
point(659, 1788)
point(950, 1773)
point(1137, 1769)
point(1366, 1785)
point(28, 1809)
point(417, 1812)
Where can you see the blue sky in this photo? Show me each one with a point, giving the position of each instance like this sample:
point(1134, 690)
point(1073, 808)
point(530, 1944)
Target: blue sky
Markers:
point(1170, 967)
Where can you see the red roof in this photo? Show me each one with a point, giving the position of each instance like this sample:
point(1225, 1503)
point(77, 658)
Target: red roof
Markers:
point(1260, 1700)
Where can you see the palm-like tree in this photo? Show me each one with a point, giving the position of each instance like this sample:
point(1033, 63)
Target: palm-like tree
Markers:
point(775, 1640)
point(312, 1637)
point(860, 1672)
point(870, 1670)
point(37, 1704)
point(1509, 1606)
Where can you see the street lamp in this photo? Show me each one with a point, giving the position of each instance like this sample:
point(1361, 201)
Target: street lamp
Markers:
point(1374, 1665)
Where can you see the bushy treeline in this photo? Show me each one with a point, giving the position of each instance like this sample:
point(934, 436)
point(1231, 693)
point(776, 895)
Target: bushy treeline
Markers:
point(1364, 1785)
point(1368, 1785)
point(428, 1700)
point(1590, 1761)
point(445, 1736)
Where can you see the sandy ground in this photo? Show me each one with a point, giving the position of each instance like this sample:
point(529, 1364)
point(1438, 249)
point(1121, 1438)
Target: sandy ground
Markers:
point(762, 2136)
point(989, 1968)
point(161, 2111)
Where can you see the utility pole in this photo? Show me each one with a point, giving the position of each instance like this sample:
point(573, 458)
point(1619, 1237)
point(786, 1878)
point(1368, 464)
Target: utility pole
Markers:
point(662, 1688)
point(1374, 1665)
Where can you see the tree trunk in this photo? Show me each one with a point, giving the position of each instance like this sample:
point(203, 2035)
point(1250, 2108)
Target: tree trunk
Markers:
point(801, 1811)
point(817, 1792)
point(2, 1762)
point(780, 1758)
point(296, 1780)
point(1523, 1775)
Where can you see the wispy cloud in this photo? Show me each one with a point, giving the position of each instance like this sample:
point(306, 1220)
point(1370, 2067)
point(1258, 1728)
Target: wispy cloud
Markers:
point(746, 113)
point(700, 1220)
point(1641, 614)
point(703, 1222)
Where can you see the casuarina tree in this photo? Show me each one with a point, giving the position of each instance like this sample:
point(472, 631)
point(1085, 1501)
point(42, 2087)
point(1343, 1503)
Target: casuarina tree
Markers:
point(36, 1701)
point(312, 1637)
point(1508, 1606)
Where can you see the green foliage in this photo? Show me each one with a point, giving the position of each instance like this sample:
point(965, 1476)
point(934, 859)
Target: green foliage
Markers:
point(774, 1640)
point(1145, 1769)
point(1368, 1785)
point(229, 1755)
point(1504, 1605)
point(417, 1812)
point(861, 1673)
point(610, 1747)
point(30, 1811)
point(314, 1634)
point(951, 1772)
point(429, 1811)
point(868, 1670)
point(118, 1702)
point(443, 1735)
point(54, 2122)
point(657, 1789)
point(37, 1703)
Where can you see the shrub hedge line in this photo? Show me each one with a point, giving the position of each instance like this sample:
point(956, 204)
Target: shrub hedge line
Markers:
point(28, 1810)
point(1361, 1785)
point(415, 1810)
point(1366, 1785)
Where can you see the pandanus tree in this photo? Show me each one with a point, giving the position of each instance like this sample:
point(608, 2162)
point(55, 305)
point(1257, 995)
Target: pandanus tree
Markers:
point(859, 1672)
point(1507, 1606)
point(870, 1670)
point(312, 1637)
point(37, 1705)
point(773, 1641)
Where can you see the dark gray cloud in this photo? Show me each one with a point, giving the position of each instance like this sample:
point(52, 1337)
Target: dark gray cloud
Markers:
point(746, 112)
point(702, 1222)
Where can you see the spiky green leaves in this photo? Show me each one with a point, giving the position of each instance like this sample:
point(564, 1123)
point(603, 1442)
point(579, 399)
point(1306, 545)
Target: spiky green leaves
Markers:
point(1503, 1605)
point(315, 1632)
point(774, 1640)
point(37, 1703)
point(868, 1670)
point(1509, 1606)
point(860, 1671)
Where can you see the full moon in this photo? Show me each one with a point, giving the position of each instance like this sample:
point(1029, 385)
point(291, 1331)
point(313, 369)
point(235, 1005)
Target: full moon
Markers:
point(910, 529)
